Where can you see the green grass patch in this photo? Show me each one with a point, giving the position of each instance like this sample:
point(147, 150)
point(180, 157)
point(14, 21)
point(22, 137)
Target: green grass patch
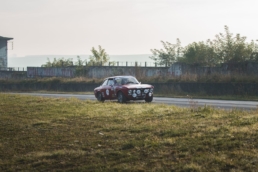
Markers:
point(47, 134)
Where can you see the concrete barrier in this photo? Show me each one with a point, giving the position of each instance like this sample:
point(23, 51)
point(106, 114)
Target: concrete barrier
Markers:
point(13, 74)
point(33, 72)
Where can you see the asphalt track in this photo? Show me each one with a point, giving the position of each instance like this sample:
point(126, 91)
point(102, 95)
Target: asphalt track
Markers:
point(183, 102)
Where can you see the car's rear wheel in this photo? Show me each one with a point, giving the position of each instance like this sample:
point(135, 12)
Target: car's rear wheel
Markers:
point(121, 98)
point(148, 99)
point(99, 97)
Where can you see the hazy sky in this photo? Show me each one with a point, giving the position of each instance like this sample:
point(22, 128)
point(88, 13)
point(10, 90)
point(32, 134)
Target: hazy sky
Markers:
point(73, 27)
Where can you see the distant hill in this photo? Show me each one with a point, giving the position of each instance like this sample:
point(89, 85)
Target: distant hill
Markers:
point(38, 60)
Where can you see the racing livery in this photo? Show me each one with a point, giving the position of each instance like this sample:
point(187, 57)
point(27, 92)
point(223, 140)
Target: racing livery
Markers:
point(123, 88)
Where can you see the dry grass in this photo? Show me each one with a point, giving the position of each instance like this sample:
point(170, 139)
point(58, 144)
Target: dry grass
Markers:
point(213, 78)
point(53, 80)
point(45, 134)
point(246, 91)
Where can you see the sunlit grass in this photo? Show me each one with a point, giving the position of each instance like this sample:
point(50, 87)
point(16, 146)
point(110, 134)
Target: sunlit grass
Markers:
point(46, 134)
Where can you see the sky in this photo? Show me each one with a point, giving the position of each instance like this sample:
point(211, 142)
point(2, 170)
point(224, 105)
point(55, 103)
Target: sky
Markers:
point(121, 27)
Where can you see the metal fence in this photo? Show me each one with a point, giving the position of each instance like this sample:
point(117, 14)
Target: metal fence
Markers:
point(111, 63)
point(126, 63)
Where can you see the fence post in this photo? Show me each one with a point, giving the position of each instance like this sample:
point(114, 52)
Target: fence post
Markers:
point(145, 64)
point(135, 64)
point(126, 64)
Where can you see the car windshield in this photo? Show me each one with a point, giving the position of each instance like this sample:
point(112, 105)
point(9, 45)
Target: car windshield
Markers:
point(126, 80)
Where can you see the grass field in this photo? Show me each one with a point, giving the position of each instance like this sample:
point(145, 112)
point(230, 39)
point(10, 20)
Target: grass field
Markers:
point(46, 134)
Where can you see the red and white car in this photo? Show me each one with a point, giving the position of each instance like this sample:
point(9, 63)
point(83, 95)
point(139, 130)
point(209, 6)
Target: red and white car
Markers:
point(123, 88)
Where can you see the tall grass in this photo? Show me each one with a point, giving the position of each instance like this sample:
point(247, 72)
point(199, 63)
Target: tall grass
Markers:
point(45, 134)
point(212, 78)
point(234, 87)
point(53, 79)
point(217, 78)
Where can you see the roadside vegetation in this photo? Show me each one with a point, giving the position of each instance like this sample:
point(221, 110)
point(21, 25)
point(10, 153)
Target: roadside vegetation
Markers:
point(209, 87)
point(99, 57)
point(213, 78)
point(47, 134)
point(224, 48)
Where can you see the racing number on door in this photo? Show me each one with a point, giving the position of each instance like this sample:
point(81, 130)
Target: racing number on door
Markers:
point(107, 92)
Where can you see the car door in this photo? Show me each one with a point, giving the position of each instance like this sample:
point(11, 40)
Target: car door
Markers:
point(109, 90)
point(102, 88)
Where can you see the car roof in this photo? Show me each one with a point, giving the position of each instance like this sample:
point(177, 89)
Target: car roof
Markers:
point(126, 76)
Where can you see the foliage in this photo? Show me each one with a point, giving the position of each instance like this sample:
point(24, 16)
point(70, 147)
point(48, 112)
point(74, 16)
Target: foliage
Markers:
point(61, 62)
point(46, 134)
point(168, 55)
point(231, 87)
point(233, 48)
point(80, 62)
point(80, 70)
point(99, 57)
point(225, 48)
point(254, 55)
point(200, 53)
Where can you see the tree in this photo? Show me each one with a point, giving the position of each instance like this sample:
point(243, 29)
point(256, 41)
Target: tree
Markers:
point(80, 62)
point(80, 70)
point(200, 53)
point(61, 62)
point(169, 55)
point(232, 48)
point(99, 57)
point(225, 48)
point(254, 55)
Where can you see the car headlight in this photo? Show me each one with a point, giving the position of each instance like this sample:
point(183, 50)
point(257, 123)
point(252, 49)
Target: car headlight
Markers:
point(146, 91)
point(138, 91)
point(129, 91)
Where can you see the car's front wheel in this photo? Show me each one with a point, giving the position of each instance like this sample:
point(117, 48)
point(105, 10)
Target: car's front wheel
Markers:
point(99, 97)
point(149, 99)
point(121, 98)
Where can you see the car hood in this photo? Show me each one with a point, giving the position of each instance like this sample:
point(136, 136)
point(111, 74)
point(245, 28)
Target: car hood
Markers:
point(132, 86)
